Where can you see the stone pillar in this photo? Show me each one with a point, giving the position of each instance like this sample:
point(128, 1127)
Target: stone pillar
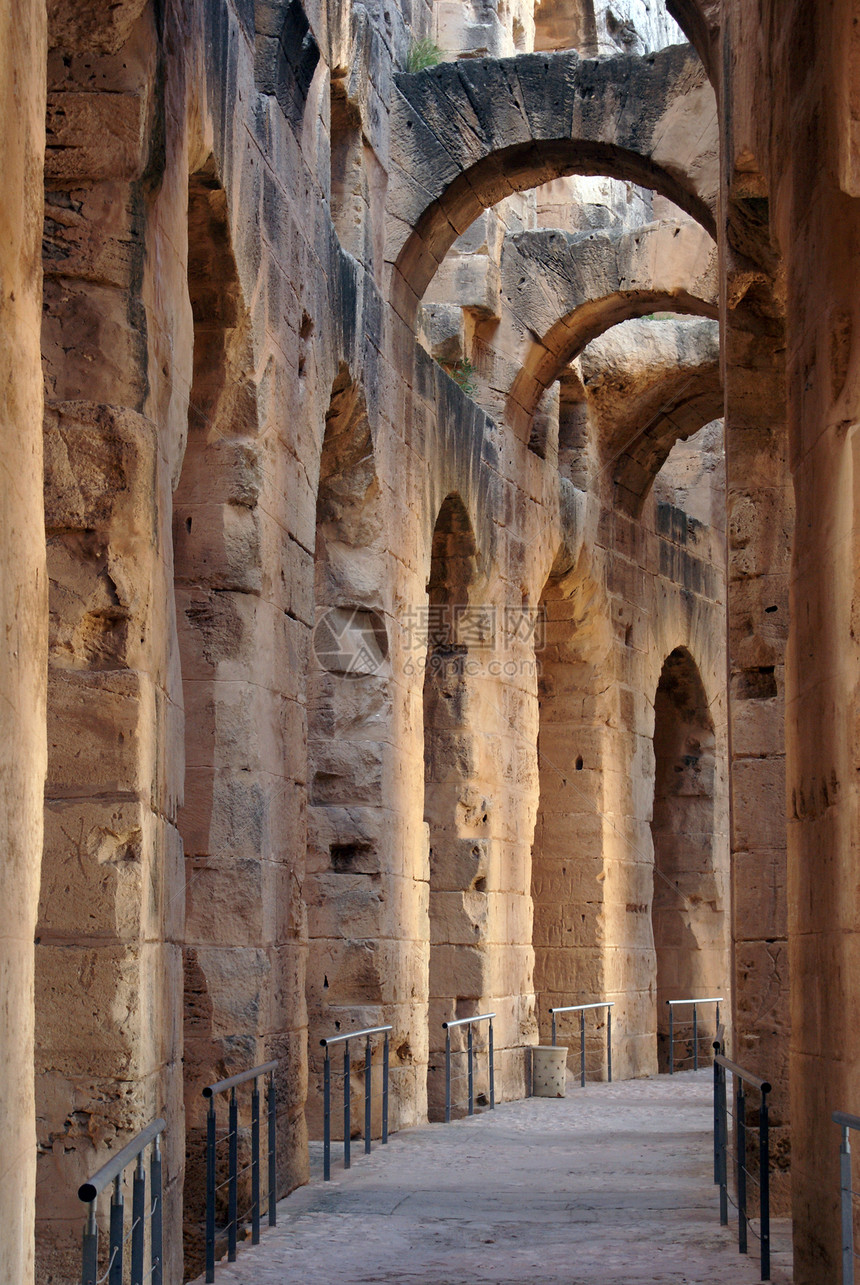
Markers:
point(23, 611)
point(760, 516)
point(108, 975)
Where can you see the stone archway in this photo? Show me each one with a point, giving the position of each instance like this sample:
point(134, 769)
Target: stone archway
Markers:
point(466, 135)
point(564, 291)
point(348, 873)
point(688, 907)
point(455, 794)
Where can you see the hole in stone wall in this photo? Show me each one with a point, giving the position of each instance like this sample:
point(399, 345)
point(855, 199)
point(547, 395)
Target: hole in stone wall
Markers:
point(579, 763)
point(755, 684)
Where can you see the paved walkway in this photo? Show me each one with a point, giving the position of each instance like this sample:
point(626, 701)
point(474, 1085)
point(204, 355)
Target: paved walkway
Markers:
point(609, 1186)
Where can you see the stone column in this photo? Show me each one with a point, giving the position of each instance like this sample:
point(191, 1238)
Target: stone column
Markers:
point(23, 611)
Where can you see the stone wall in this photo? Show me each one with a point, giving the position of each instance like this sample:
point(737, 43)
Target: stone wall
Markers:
point(23, 611)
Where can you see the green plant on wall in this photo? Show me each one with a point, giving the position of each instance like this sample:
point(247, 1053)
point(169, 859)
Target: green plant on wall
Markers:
point(465, 375)
point(422, 54)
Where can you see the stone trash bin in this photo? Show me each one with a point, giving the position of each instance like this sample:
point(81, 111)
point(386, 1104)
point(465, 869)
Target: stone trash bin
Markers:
point(549, 1071)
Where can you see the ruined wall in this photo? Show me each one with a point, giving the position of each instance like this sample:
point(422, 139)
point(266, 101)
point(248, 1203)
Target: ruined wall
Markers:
point(248, 453)
point(791, 77)
point(23, 611)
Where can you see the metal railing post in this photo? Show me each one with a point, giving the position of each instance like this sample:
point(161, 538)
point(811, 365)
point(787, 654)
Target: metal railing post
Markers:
point(609, 1044)
point(368, 1072)
point(255, 1164)
point(716, 1118)
point(111, 1174)
point(724, 1149)
point(272, 1167)
point(447, 1076)
point(327, 1118)
point(210, 1192)
point(554, 1040)
point(233, 1176)
point(764, 1185)
point(117, 1216)
point(741, 1138)
point(90, 1255)
point(138, 1220)
point(471, 1073)
point(695, 1038)
point(156, 1215)
point(582, 1050)
point(385, 1090)
point(717, 1045)
point(847, 1210)
point(671, 1039)
point(347, 1125)
point(492, 1071)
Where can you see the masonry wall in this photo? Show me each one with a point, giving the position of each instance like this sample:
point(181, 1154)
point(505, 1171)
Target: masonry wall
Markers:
point(810, 57)
point(23, 611)
point(244, 441)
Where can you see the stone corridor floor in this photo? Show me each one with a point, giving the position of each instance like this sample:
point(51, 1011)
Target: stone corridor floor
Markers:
point(611, 1185)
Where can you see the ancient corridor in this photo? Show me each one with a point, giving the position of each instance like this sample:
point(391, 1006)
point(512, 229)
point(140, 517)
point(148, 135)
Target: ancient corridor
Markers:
point(429, 608)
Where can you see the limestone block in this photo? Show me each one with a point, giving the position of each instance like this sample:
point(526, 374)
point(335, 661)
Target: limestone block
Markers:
point(347, 972)
point(457, 971)
point(99, 463)
point(213, 914)
point(99, 733)
point(91, 29)
point(343, 905)
point(458, 918)
point(94, 861)
point(88, 1002)
point(218, 546)
point(347, 768)
point(470, 280)
point(95, 136)
point(91, 345)
point(445, 329)
point(759, 804)
point(229, 987)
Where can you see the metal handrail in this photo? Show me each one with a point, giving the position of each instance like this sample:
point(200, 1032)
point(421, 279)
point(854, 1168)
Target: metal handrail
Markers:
point(847, 1194)
point(470, 1051)
point(582, 1009)
point(89, 1192)
point(211, 1092)
point(722, 1065)
point(673, 1003)
point(354, 1035)
point(221, 1086)
point(328, 1043)
point(468, 1021)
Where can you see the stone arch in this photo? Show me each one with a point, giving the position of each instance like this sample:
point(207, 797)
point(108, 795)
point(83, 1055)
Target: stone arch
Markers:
point(217, 587)
point(349, 857)
point(564, 290)
point(645, 392)
point(675, 419)
point(456, 796)
point(688, 905)
point(467, 134)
